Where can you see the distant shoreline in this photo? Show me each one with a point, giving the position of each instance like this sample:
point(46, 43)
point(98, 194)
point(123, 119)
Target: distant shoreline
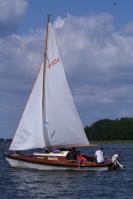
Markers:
point(91, 142)
point(114, 130)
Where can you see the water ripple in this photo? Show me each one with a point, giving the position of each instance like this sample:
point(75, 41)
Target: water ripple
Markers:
point(31, 184)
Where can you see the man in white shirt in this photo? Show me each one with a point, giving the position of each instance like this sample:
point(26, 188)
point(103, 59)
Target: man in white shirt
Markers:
point(99, 155)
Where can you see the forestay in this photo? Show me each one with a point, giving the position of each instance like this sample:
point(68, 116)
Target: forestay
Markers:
point(50, 116)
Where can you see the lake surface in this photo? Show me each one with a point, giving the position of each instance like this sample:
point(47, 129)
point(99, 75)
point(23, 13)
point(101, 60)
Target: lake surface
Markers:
point(31, 184)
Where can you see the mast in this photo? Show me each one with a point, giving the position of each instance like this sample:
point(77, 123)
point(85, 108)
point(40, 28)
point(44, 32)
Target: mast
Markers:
point(46, 44)
point(44, 70)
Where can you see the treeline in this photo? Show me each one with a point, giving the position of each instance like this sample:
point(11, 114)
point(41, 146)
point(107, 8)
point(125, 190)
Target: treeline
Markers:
point(107, 129)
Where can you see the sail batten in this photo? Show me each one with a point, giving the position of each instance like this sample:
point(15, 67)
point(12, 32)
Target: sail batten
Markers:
point(50, 117)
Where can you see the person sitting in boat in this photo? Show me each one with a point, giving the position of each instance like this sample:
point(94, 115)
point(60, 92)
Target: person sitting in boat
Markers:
point(99, 155)
point(81, 158)
point(72, 154)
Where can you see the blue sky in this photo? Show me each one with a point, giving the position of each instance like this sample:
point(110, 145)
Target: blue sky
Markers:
point(36, 13)
point(95, 39)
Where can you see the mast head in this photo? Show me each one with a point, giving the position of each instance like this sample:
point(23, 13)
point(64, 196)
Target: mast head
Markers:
point(49, 15)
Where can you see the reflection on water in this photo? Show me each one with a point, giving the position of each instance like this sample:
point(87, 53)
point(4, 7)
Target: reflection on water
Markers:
point(22, 183)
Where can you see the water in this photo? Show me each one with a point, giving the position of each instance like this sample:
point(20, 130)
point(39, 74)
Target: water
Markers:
point(31, 184)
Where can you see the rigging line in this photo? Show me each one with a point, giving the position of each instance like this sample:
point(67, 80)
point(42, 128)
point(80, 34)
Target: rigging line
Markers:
point(47, 58)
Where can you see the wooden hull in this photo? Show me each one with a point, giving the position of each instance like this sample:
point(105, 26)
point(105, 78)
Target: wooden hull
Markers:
point(55, 163)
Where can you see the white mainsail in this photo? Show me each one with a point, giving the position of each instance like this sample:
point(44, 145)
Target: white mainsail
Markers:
point(50, 117)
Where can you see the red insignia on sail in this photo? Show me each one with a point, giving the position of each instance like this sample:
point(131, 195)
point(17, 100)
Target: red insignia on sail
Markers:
point(54, 62)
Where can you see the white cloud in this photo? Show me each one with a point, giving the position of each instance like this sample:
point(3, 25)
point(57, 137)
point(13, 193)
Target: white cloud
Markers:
point(10, 9)
point(20, 55)
point(92, 43)
point(98, 61)
point(10, 12)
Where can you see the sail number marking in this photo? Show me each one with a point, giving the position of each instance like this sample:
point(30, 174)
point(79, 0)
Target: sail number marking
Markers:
point(54, 62)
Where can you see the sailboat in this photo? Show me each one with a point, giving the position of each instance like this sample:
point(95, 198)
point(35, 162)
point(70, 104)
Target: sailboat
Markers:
point(50, 121)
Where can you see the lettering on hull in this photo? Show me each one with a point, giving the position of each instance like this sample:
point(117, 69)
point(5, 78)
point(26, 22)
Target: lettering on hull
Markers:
point(52, 158)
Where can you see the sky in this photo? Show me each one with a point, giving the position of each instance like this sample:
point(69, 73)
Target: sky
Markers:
point(95, 40)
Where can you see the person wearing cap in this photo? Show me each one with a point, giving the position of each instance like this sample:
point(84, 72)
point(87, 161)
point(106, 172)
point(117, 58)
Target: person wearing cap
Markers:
point(99, 155)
